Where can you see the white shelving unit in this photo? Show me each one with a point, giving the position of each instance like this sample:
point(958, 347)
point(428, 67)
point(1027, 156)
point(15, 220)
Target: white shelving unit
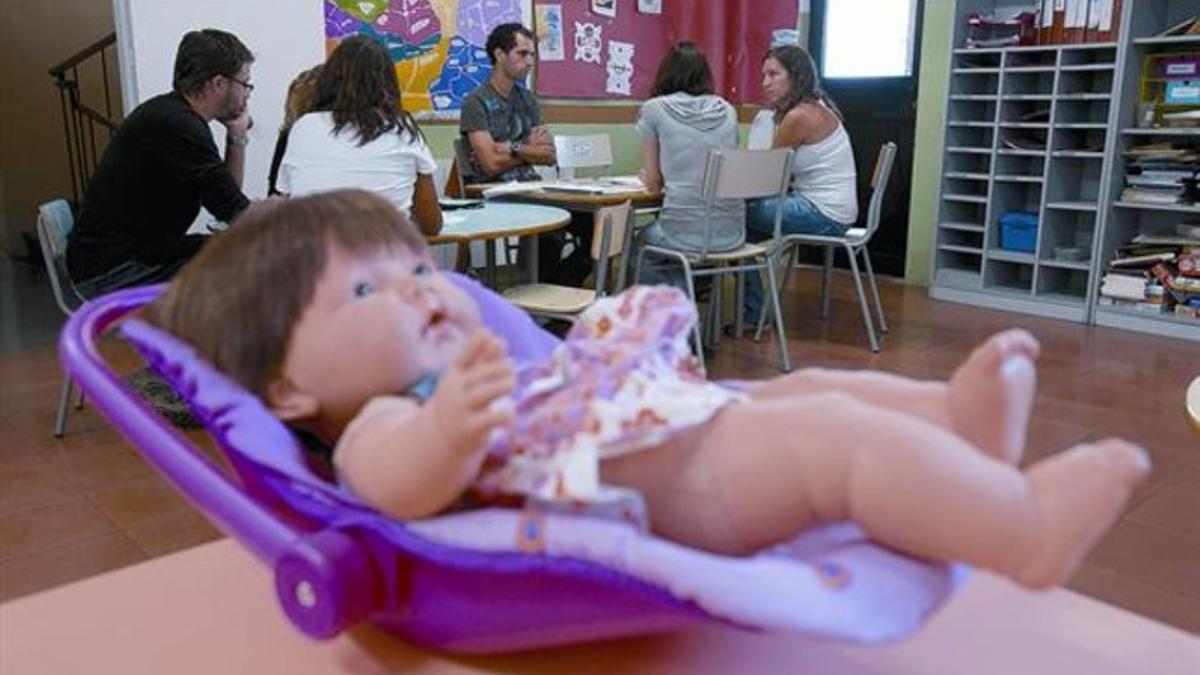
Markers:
point(1041, 129)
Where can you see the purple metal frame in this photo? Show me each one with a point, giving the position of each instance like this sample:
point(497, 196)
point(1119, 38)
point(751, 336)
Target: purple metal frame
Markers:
point(353, 569)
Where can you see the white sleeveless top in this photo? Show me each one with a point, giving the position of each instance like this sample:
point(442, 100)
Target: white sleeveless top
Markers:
point(824, 173)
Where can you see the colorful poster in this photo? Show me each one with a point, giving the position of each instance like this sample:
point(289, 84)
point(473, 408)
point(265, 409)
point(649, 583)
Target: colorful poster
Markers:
point(550, 33)
point(437, 45)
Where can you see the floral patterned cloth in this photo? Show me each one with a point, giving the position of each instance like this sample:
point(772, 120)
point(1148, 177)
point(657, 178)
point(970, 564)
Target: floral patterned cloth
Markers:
point(622, 381)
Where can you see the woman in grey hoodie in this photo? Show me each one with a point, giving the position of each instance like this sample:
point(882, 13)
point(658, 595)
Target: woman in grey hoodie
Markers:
point(679, 125)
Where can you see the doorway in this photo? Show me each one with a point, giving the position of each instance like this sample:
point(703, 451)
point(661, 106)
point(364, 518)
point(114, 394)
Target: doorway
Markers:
point(877, 95)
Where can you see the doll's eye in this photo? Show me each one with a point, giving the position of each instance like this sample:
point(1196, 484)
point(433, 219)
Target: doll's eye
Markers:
point(363, 289)
point(423, 269)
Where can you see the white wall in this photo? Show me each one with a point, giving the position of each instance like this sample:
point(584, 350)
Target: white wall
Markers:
point(286, 37)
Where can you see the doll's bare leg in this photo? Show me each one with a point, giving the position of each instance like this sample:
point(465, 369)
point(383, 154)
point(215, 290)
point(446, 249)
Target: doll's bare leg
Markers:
point(991, 394)
point(779, 466)
point(987, 400)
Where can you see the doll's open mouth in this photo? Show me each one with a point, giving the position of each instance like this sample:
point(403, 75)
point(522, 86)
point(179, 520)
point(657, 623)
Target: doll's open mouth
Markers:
point(437, 325)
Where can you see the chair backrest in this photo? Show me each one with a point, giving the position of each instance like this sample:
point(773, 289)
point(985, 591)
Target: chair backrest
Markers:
point(442, 175)
point(745, 174)
point(54, 224)
point(458, 170)
point(879, 182)
point(583, 152)
point(611, 238)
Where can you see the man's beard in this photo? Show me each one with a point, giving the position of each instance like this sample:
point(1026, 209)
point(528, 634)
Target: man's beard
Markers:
point(231, 109)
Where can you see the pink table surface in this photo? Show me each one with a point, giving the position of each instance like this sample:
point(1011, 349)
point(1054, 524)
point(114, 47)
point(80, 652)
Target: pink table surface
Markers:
point(211, 610)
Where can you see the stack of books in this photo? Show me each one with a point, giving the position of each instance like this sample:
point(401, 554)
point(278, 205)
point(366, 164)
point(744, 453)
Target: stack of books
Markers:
point(1156, 273)
point(1161, 173)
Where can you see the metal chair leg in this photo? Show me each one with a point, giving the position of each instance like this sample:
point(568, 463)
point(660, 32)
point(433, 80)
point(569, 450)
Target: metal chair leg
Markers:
point(874, 290)
point(64, 400)
point(80, 399)
point(862, 300)
point(786, 259)
point(691, 291)
point(714, 312)
point(784, 362)
point(826, 282)
point(762, 311)
point(739, 299)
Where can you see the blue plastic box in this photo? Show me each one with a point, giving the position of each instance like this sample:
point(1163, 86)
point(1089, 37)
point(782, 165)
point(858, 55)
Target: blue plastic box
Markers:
point(1018, 231)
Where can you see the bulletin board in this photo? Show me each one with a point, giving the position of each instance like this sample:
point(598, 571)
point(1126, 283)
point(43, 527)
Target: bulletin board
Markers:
point(437, 45)
point(610, 49)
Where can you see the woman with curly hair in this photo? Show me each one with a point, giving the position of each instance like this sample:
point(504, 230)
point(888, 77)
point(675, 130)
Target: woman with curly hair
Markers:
point(357, 135)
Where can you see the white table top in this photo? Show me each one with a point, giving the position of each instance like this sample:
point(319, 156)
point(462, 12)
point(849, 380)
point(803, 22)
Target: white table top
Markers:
point(494, 220)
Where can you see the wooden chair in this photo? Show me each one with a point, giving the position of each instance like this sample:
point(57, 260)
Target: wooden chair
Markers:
point(736, 174)
point(611, 240)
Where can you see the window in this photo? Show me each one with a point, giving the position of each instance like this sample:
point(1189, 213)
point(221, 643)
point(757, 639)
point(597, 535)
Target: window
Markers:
point(869, 38)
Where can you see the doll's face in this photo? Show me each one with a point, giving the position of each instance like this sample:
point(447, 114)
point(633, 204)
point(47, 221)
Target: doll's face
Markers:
point(376, 323)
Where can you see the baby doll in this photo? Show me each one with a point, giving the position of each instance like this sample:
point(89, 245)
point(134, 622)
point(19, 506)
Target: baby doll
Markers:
point(331, 310)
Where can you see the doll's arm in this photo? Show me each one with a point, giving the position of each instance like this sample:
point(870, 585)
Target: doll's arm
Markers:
point(410, 460)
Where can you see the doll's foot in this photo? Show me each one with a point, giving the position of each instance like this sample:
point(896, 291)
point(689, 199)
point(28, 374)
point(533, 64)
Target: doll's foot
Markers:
point(1080, 493)
point(991, 394)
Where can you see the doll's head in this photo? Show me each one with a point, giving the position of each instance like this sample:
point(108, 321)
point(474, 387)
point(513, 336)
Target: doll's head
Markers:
point(318, 305)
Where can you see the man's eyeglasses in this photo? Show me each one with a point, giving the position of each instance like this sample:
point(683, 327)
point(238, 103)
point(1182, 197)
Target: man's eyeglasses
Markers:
point(249, 87)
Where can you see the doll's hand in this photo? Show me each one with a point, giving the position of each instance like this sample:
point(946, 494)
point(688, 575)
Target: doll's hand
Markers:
point(466, 401)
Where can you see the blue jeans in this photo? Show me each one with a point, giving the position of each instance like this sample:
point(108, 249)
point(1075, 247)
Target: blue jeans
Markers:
point(800, 216)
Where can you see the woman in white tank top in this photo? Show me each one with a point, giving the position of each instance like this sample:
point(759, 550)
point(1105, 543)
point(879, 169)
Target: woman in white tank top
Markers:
point(823, 197)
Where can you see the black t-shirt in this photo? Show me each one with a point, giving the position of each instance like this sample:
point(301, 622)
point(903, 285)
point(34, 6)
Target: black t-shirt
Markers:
point(159, 169)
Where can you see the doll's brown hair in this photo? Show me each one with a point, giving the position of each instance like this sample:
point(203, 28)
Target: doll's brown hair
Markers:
point(237, 301)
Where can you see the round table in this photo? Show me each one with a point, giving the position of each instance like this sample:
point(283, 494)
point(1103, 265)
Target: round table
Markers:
point(495, 220)
point(499, 220)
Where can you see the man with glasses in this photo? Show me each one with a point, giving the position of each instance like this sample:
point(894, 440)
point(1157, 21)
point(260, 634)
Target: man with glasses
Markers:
point(161, 166)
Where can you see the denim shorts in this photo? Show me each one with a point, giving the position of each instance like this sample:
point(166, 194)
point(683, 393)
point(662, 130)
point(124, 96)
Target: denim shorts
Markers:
point(800, 216)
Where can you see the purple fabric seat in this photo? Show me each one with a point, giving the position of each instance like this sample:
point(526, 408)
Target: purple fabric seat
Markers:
point(460, 582)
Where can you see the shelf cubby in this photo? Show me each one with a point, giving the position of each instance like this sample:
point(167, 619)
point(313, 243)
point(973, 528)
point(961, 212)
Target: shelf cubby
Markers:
point(1028, 83)
point(1070, 111)
point(968, 162)
point(1082, 82)
point(1005, 276)
point(1098, 58)
point(1021, 165)
point(982, 82)
point(969, 136)
point(972, 110)
point(1065, 238)
point(1062, 285)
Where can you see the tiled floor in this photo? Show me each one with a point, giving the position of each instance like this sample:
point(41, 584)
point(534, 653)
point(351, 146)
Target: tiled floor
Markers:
point(79, 506)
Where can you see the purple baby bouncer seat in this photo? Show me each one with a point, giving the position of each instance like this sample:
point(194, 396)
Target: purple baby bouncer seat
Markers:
point(485, 580)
